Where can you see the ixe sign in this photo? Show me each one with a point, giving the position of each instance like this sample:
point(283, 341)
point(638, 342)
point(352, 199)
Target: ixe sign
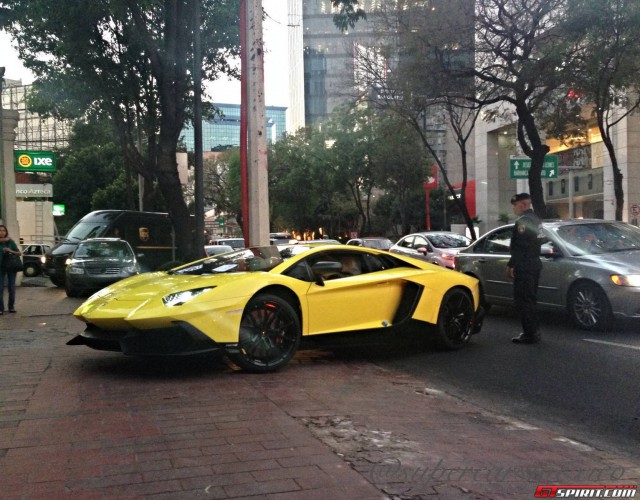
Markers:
point(34, 161)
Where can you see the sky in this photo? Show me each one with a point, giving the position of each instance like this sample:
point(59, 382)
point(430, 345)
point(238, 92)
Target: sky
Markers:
point(223, 91)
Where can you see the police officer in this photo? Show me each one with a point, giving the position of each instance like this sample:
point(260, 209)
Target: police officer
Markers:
point(524, 267)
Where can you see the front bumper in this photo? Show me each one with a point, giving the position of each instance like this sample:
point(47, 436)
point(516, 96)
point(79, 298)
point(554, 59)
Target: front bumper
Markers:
point(180, 340)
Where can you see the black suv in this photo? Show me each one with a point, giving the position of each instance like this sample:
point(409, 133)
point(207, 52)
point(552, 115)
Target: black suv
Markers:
point(32, 254)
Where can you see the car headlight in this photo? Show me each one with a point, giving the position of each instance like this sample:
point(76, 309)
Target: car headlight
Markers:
point(179, 298)
point(629, 280)
point(76, 270)
point(130, 269)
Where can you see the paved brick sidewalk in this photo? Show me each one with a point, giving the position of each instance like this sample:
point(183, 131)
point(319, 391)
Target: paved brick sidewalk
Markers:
point(77, 423)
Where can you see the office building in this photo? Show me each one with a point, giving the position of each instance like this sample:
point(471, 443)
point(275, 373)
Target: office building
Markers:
point(223, 130)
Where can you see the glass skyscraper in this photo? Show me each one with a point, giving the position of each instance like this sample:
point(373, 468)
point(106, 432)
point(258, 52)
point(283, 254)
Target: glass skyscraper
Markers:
point(223, 130)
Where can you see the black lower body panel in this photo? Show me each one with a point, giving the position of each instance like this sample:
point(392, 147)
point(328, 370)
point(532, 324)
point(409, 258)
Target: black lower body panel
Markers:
point(179, 340)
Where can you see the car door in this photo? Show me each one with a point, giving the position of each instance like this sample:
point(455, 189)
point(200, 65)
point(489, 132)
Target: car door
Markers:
point(406, 247)
point(490, 262)
point(362, 301)
point(422, 243)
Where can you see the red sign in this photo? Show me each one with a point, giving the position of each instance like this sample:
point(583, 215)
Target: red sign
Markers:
point(432, 178)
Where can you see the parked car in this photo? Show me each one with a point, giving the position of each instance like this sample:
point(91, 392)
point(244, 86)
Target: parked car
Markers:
point(98, 262)
point(217, 249)
point(373, 242)
point(321, 242)
point(590, 268)
point(32, 256)
point(282, 238)
point(256, 304)
point(234, 243)
point(148, 233)
point(437, 247)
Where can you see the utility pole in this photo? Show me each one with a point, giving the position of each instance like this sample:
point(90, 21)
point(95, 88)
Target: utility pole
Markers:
point(2, 197)
point(257, 165)
point(197, 133)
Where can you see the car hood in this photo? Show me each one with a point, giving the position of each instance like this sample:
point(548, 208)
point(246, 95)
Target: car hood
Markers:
point(148, 285)
point(110, 261)
point(618, 262)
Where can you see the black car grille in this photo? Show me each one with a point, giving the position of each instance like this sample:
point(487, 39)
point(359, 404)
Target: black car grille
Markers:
point(104, 270)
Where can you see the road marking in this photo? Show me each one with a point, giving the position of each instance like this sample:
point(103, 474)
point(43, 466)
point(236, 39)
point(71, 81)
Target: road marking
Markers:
point(637, 348)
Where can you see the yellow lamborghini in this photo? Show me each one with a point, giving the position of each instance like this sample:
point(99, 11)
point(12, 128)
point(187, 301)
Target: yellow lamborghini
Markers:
point(255, 304)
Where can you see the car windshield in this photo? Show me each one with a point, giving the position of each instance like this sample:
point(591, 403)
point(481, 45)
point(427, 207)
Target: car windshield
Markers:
point(599, 238)
point(253, 259)
point(104, 250)
point(448, 240)
point(380, 244)
point(84, 230)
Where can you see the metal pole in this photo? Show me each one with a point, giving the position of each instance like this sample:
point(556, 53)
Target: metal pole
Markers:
point(2, 197)
point(244, 183)
point(427, 193)
point(257, 166)
point(571, 207)
point(197, 133)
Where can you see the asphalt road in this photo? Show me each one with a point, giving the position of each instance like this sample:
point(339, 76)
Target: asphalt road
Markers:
point(582, 383)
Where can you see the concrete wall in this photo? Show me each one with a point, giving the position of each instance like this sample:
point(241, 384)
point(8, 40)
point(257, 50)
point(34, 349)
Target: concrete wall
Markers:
point(8, 216)
point(36, 221)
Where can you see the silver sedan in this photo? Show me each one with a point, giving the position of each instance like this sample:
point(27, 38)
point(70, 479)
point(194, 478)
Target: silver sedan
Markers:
point(590, 268)
point(437, 247)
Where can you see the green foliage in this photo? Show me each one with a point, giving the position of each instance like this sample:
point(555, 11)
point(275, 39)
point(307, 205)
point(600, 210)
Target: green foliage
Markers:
point(114, 195)
point(132, 60)
point(82, 173)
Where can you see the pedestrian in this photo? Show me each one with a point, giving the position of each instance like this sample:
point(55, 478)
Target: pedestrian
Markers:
point(8, 246)
point(524, 267)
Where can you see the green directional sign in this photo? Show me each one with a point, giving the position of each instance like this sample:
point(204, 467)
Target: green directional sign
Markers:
point(519, 167)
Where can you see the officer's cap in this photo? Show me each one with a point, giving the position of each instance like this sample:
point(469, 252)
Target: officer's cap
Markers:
point(519, 197)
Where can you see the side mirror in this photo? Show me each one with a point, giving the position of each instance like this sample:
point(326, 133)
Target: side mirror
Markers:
point(547, 250)
point(423, 250)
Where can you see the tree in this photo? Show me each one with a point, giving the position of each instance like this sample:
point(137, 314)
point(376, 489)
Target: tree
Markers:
point(521, 54)
point(606, 69)
point(222, 184)
point(401, 162)
point(84, 172)
point(133, 60)
point(410, 76)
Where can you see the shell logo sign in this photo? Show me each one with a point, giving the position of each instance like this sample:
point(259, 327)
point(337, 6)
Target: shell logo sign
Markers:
point(34, 161)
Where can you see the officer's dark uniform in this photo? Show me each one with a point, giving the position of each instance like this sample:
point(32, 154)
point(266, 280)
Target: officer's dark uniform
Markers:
point(525, 261)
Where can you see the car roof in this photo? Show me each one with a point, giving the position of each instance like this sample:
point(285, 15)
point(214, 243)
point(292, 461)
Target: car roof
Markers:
point(102, 240)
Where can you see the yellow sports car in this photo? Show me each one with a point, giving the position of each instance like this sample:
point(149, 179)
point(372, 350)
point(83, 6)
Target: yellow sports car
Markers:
point(255, 304)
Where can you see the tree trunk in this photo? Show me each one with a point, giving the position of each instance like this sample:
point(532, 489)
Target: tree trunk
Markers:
point(532, 145)
point(617, 174)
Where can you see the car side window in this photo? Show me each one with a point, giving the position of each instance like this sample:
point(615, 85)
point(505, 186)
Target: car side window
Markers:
point(407, 242)
point(420, 242)
point(300, 271)
point(497, 242)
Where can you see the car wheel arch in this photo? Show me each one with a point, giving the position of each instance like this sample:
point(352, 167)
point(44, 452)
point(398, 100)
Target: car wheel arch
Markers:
point(285, 294)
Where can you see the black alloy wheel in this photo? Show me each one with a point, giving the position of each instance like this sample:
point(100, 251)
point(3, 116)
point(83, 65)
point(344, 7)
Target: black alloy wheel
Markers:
point(455, 319)
point(270, 334)
point(589, 307)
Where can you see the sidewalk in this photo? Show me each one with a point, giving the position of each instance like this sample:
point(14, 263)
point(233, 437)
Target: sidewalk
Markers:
point(82, 424)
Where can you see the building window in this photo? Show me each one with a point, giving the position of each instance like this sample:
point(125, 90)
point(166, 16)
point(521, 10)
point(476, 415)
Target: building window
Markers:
point(563, 186)
point(576, 184)
point(550, 188)
point(590, 182)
